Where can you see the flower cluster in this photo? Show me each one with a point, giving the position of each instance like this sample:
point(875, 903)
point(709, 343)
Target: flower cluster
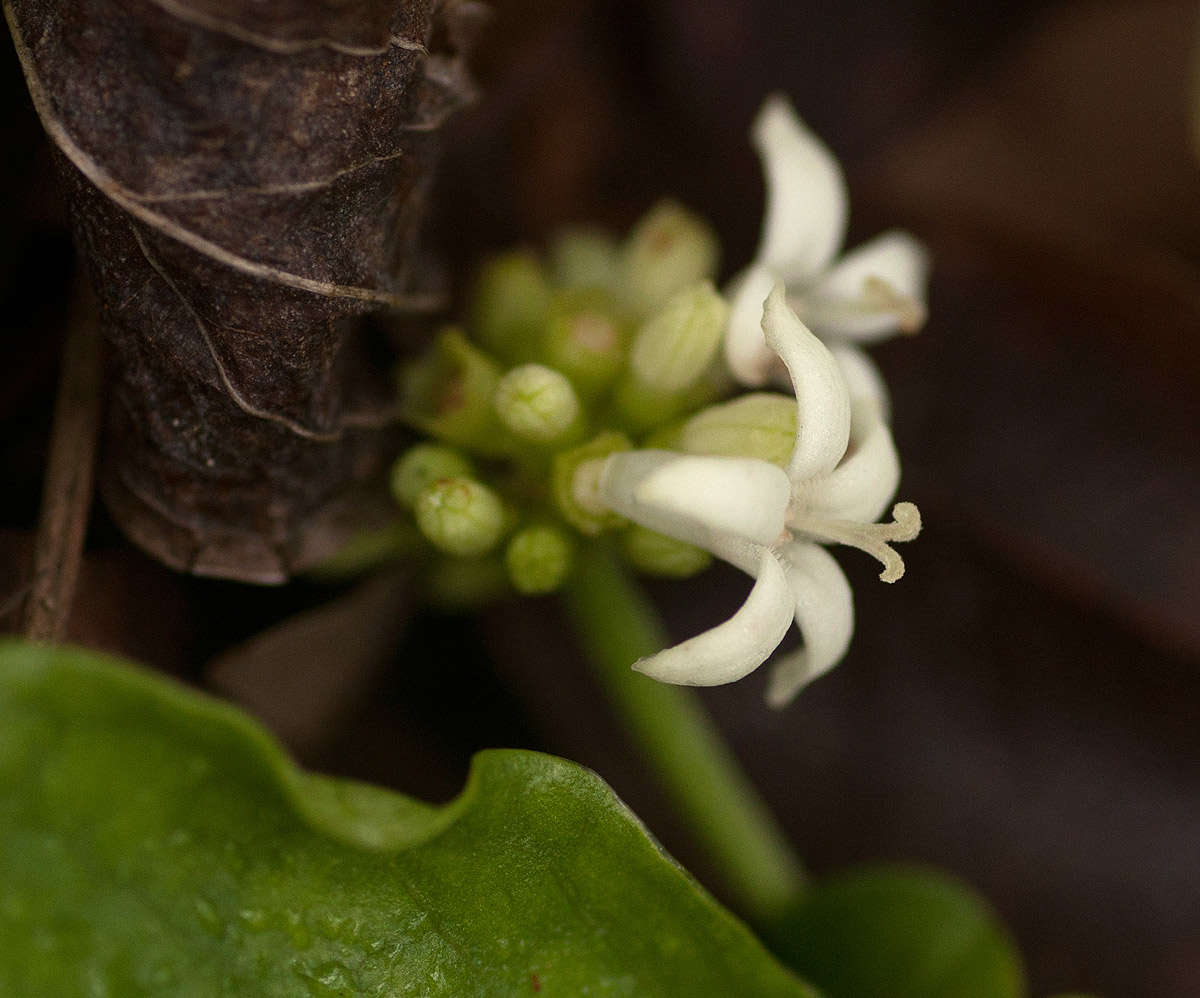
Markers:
point(841, 471)
point(565, 363)
point(770, 521)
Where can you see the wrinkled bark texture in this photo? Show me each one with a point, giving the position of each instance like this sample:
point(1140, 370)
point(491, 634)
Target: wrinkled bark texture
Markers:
point(247, 182)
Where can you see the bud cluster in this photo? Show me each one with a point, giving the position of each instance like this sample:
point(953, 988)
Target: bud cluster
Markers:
point(608, 389)
point(597, 346)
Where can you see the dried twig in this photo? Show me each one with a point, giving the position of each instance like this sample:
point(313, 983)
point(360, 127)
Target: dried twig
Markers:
point(67, 491)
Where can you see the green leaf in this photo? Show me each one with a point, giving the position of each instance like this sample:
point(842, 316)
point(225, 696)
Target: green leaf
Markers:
point(896, 932)
point(154, 841)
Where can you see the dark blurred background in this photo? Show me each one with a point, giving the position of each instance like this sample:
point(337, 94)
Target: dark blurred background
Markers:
point(1024, 708)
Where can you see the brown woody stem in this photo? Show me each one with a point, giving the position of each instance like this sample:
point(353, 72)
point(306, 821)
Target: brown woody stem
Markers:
point(67, 491)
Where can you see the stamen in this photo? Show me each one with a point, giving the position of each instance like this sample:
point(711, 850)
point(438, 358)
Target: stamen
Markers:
point(873, 538)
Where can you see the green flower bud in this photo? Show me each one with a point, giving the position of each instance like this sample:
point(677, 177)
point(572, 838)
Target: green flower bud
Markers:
point(422, 465)
point(460, 516)
point(761, 424)
point(448, 394)
point(537, 403)
point(657, 554)
point(672, 350)
point(584, 258)
point(538, 559)
point(585, 340)
point(511, 297)
point(570, 498)
point(668, 250)
point(638, 408)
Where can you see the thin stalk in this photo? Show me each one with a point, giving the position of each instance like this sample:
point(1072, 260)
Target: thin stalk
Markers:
point(67, 490)
point(616, 626)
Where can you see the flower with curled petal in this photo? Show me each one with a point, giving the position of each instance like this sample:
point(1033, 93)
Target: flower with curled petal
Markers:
point(771, 521)
point(870, 293)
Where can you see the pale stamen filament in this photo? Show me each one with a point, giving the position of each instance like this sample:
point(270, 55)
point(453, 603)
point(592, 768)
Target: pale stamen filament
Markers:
point(873, 538)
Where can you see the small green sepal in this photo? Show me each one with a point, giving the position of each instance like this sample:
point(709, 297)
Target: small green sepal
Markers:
point(448, 393)
point(562, 482)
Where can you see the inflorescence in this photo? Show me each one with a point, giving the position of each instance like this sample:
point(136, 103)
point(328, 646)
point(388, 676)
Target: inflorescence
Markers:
point(599, 395)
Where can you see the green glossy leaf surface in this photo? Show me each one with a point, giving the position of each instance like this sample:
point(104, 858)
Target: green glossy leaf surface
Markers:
point(896, 932)
point(153, 841)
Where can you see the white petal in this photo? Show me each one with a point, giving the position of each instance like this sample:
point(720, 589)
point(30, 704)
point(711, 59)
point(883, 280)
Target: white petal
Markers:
point(895, 257)
point(824, 613)
point(741, 644)
point(875, 291)
point(807, 202)
point(862, 374)
point(696, 498)
point(822, 399)
point(862, 486)
point(863, 378)
point(746, 352)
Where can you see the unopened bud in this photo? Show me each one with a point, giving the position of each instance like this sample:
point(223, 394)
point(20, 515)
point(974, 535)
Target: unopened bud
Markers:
point(570, 495)
point(460, 516)
point(448, 394)
point(584, 258)
point(422, 465)
point(538, 559)
point(512, 295)
point(668, 250)
point(676, 345)
point(657, 554)
point(761, 424)
point(537, 403)
point(638, 409)
point(585, 340)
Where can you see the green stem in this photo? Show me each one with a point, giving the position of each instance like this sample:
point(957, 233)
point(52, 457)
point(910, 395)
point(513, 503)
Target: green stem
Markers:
point(616, 626)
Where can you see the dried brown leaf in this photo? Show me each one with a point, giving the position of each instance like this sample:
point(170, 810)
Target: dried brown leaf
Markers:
point(247, 181)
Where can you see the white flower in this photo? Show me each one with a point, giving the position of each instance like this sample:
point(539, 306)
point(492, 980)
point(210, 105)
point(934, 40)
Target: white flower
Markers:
point(869, 294)
point(770, 521)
